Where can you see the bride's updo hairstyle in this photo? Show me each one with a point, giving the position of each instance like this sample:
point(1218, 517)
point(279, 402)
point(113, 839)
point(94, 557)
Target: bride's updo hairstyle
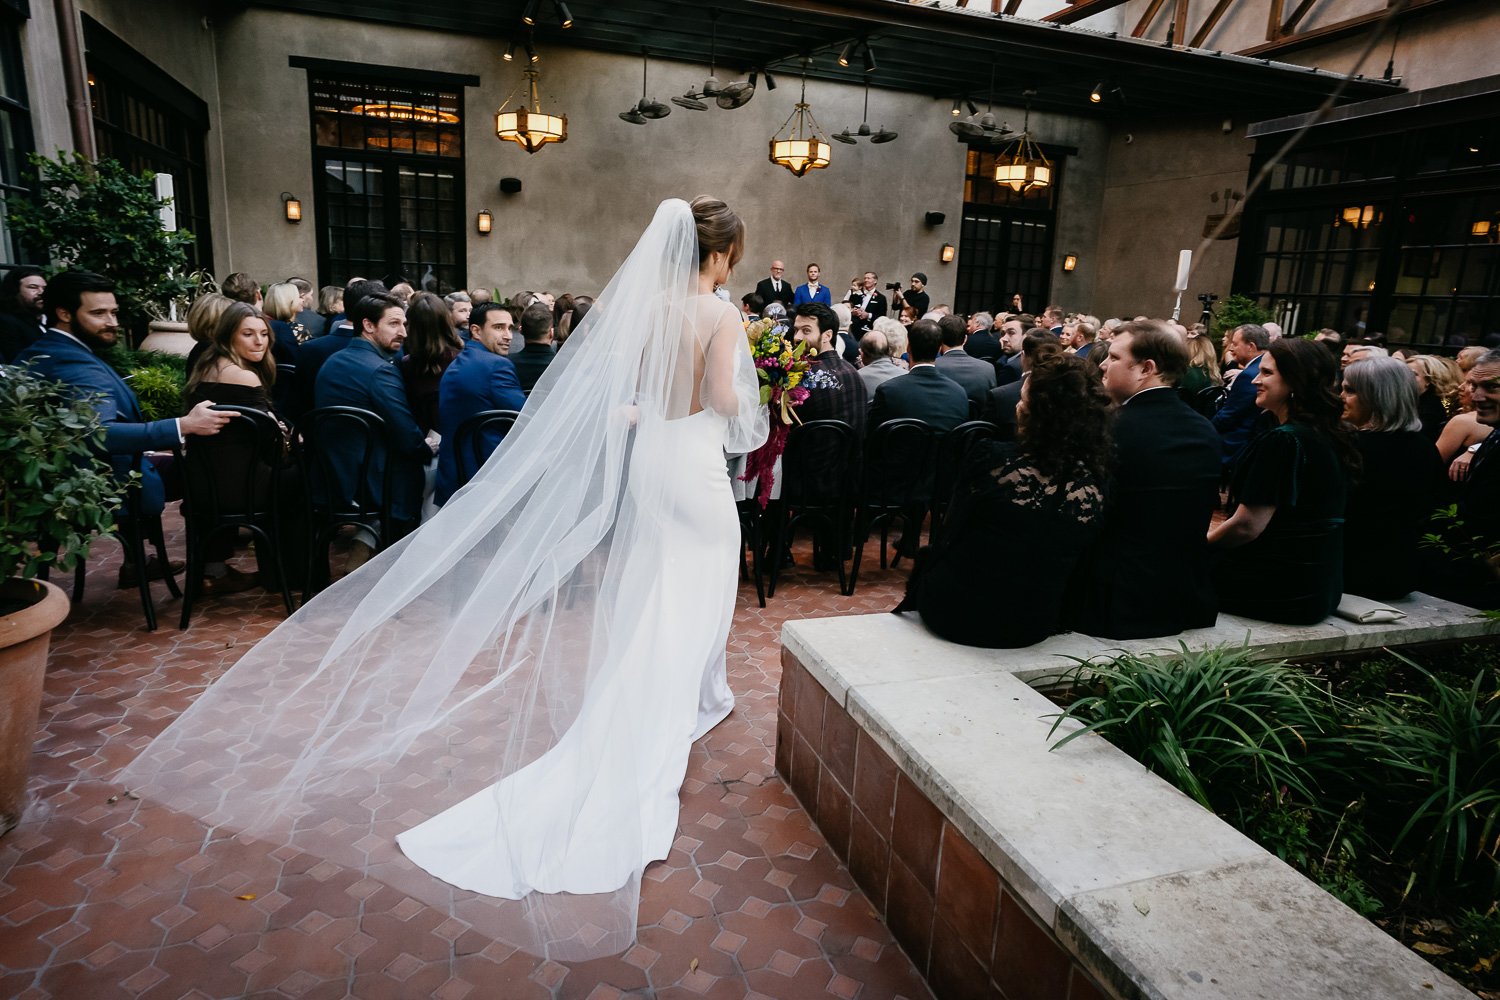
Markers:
point(719, 229)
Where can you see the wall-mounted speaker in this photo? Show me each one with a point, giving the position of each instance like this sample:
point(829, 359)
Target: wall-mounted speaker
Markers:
point(935, 218)
point(510, 185)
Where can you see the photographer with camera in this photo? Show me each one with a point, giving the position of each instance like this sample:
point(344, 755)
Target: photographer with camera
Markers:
point(916, 296)
point(866, 304)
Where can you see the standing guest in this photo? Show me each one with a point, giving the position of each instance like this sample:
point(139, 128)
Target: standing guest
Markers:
point(776, 288)
point(84, 322)
point(814, 290)
point(977, 377)
point(915, 297)
point(362, 375)
point(307, 315)
point(236, 368)
point(242, 288)
point(866, 304)
point(925, 392)
point(1237, 416)
point(1438, 379)
point(983, 342)
point(1037, 503)
point(1396, 490)
point(876, 366)
point(1471, 573)
point(21, 315)
point(202, 318)
point(481, 378)
point(1150, 575)
point(1008, 361)
point(459, 307)
point(532, 360)
point(1282, 544)
point(312, 355)
point(431, 345)
point(330, 308)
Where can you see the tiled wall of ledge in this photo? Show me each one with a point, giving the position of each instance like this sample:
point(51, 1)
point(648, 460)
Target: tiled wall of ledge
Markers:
point(961, 924)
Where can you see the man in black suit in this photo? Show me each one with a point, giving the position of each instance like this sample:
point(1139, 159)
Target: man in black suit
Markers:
point(924, 392)
point(866, 304)
point(1148, 575)
point(1008, 362)
point(1000, 403)
point(776, 288)
point(982, 342)
point(533, 359)
point(976, 376)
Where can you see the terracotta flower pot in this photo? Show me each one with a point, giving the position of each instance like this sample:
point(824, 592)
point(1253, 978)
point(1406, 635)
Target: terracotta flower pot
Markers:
point(24, 638)
point(169, 337)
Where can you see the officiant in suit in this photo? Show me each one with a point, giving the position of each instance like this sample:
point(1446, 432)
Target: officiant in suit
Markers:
point(1149, 574)
point(867, 305)
point(776, 288)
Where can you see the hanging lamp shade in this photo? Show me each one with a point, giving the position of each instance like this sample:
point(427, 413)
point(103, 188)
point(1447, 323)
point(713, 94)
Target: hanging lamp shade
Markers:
point(1022, 165)
point(530, 127)
point(804, 146)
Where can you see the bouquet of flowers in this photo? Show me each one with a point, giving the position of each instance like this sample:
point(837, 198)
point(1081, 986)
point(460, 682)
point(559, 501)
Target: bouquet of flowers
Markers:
point(782, 366)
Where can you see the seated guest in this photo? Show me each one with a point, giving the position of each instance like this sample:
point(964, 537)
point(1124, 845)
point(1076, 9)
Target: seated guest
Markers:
point(976, 376)
point(480, 378)
point(1080, 335)
point(835, 391)
point(236, 368)
point(532, 360)
point(84, 322)
point(924, 393)
point(1031, 507)
point(1396, 491)
point(312, 355)
point(1202, 371)
point(362, 375)
point(431, 345)
point(1238, 414)
point(751, 306)
point(1002, 403)
point(306, 316)
point(1150, 574)
point(876, 366)
point(280, 308)
point(1008, 361)
point(330, 308)
point(242, 288)
point(21, 316)
point(982, 342)
point(572, 321)
point(479, 296)
point(1282, 544)
point(459, 307)
point(1470, 574)
point(895, 336)
point(1438, 379)
point(202, 318)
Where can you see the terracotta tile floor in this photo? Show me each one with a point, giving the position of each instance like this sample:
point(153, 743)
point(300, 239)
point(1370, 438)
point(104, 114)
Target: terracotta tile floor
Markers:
point(102, 898)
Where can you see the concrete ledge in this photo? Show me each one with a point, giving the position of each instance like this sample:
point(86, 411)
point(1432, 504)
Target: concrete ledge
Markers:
point(1145, 891)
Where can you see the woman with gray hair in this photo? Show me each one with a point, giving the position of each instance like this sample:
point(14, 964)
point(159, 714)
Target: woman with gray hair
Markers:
point(895, 336)
point(1398, 485)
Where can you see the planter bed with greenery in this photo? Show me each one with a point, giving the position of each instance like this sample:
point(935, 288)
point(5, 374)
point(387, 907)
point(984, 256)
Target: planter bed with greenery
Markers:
point(1377, 777)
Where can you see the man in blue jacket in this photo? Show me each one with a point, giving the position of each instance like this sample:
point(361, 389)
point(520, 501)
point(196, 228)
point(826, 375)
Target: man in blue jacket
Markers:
point(813, 291)
point(84, 319)
point(1238, 414)
point(481, 378)
point(363, 376)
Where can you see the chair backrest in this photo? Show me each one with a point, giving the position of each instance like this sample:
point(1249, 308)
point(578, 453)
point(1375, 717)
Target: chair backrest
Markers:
point(900, 456)
point(233, 473)
point(477, 437)
point(820, 464)
point(338, 447)
point(1208, 399)
point(952, 450)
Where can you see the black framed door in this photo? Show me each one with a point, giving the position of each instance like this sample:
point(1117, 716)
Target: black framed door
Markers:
point(1006, 239)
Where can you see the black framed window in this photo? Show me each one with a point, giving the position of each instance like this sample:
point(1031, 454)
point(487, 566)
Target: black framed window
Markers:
point(1005, 241)
point(1393, 230)
point(149, 121)
point(388, 158)
point(15, 135)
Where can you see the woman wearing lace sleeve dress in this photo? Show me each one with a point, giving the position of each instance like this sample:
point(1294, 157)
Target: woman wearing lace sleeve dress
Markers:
point(1023, 513)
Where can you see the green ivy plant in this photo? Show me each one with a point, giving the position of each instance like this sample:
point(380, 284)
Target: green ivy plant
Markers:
point(55, 479)
point(98, 216)
point(1237, 310)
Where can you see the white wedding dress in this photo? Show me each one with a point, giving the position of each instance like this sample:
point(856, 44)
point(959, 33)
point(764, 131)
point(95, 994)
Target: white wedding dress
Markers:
point(512, 692)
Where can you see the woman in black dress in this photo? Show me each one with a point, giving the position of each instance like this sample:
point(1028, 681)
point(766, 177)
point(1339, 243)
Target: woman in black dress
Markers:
point(1282, 544)
point(1023, 513)
point(1400, 471)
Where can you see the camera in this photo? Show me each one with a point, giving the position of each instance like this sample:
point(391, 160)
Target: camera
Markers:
point(894, 285)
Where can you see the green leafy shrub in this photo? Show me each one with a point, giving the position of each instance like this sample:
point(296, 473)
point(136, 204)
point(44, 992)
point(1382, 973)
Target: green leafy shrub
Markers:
point(55, 481)
point(1234, 311)
point(159, 388)
point(98, 216)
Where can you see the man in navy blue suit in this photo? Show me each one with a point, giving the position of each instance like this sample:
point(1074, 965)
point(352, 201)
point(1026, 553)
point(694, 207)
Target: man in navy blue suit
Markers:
point(85, 319)
point(480, 378)
point(924, 392)
point(814, 290)
point(1238, 414)
point(362, 375)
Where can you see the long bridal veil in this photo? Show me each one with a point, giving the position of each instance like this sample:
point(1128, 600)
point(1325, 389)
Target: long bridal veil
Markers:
point(467, 651)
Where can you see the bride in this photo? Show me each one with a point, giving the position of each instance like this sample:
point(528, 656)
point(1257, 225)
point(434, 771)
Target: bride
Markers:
point(510, 694)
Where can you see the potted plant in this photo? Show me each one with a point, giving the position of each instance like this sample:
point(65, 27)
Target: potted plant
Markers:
point(98, 216)
point(57, 486)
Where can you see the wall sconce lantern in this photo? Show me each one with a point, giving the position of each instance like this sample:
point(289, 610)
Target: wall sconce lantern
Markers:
point(484, 222)
point(293, 207)
point(947, 254)
point(1070, 262)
